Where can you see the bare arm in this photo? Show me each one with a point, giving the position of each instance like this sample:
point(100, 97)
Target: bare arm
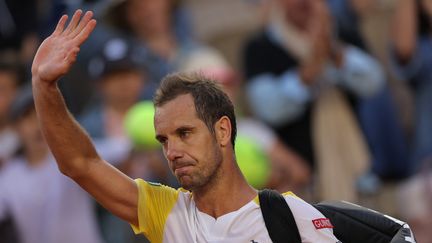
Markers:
point(404, 29)
point(70, 145)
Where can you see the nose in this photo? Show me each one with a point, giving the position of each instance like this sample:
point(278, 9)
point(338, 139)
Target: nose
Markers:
point(172, 151)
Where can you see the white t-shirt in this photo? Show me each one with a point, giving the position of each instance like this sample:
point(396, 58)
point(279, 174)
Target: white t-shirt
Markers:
point(46, 206)
point(169, 215)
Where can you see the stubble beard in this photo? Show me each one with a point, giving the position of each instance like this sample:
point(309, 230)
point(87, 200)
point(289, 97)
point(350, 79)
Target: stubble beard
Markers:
point(204, 177)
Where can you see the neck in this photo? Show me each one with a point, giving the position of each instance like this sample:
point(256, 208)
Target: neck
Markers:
point(227, 194)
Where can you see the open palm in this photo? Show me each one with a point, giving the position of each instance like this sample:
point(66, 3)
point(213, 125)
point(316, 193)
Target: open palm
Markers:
point(58, 52)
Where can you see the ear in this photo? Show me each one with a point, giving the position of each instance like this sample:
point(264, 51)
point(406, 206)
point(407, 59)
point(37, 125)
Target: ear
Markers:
point(223, 131)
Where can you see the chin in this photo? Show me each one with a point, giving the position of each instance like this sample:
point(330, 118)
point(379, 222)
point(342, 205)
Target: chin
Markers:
point(186, 183)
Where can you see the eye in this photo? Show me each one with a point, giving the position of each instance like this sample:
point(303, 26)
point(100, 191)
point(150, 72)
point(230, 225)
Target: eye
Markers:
point(184, 133)
point(162, 140)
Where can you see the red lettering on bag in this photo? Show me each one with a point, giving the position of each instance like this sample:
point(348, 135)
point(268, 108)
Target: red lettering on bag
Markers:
point(322, 223)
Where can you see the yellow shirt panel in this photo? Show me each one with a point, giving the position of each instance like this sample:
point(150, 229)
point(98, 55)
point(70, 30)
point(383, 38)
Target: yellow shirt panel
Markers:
point(155, 202)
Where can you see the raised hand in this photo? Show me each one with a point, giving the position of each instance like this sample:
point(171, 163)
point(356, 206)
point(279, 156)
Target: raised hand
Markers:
point(58, 52)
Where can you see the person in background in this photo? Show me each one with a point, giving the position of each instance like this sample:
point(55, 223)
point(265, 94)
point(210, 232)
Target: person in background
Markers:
point(411, 50)
point(120, 78)
point(45, 206)
point(411, 57)
point(158, 32)
point(9, 142)
point(295, 69)
point(9, 82)
point(18, 28)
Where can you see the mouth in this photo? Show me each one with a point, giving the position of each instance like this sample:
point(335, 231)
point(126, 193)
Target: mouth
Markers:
point(182, 170)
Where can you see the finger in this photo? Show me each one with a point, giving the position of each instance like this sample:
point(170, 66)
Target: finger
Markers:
point(74, 21)
point(60, 25)
point(87, 17)
point(85, 33)
point(72, 56)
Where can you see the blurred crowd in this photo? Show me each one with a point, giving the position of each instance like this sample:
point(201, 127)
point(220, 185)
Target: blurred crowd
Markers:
point(333, 99)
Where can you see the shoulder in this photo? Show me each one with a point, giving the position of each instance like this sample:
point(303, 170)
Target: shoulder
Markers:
point(312, 224)
point(301, 209)
point(155, 202)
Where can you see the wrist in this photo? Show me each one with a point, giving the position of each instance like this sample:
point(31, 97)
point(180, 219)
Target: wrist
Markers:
point(39, 82)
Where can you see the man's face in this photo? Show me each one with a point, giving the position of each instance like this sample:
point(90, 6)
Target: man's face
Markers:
point(190, 148)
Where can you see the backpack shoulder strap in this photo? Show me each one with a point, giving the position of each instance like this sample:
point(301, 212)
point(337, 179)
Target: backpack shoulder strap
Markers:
point(278, 217)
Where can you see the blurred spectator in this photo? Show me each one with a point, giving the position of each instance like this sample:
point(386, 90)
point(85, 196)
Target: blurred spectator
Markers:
point(292, 68)
point(160, 27)
point(411, 50)
point(346, 18)
point(386, 128)
point(45, 205)
point(121, 77)
point(412, 59)
point(288, 171)
point(158, 32)
point(226, 24)
point(18, 28)
point(9, 82)
point(22, 23)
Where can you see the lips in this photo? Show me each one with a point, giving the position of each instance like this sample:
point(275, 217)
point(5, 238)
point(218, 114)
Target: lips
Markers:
point(181, 169)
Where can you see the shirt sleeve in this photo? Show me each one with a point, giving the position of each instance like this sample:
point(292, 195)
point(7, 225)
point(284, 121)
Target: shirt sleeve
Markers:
point(155, 202)
point(312, 224)
point(278, 99)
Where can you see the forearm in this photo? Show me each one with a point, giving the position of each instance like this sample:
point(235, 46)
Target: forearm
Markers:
point(68, 142)
point(70, 145)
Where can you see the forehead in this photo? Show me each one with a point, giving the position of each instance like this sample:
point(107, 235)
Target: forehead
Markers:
point(175, 113)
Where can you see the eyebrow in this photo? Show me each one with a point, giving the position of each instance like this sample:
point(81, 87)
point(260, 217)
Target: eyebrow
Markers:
point(160, 137)
point(184, 128)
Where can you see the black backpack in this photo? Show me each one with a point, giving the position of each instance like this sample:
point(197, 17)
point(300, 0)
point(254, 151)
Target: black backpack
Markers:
point(352, 223)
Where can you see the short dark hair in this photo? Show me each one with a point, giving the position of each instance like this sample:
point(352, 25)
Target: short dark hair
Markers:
point(211, 103)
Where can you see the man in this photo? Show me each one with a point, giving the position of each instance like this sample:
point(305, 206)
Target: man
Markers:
point(195, 123)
